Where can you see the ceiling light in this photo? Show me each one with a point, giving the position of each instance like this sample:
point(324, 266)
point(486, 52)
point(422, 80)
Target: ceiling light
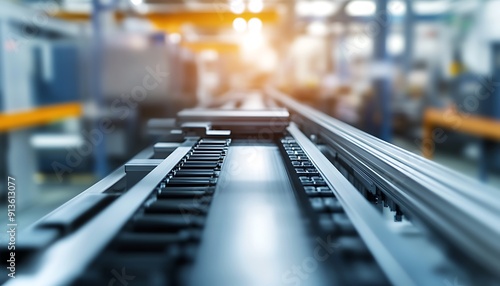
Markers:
point(237, 6)
point(255, 6)
point(315, 8)
point(254, 25)
point(395, 44)
point(240, 25)
point(361, 8)
point(175, 38)
point(317, 28)
point(136, 2)
point(431, 7)
point(397, 8)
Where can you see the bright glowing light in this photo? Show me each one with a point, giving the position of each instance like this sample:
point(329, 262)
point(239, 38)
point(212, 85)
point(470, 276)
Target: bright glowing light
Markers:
point(395, 44)
point(175, 38)
point(255, 6)
point(252, 42)
point(268, 60)
point(315, 8)
point(254, 25)
point(302, 8)
point(136, 2)
point(240, 25)
point(397, 8)
point(324, 8)
point(361, 8)
point(431, 7)
point(317, 28)
point(209, 55)
point(237, 6)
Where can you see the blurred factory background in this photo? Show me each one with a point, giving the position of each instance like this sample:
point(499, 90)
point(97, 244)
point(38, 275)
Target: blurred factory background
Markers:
point(79, 79)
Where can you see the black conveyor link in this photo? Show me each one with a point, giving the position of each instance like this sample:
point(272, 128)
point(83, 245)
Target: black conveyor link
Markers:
point(146, 242)
point(160, 223)
point(188, 206)
point(196, 173)
point(330, 215)
point(172, 220)
point(313, 183)
point(178, 192)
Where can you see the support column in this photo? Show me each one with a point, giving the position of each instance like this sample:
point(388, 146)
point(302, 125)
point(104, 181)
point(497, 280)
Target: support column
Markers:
point(490, 151)
point(409, 35)
point(100, 154)
point(382, 86)
point(17, 94)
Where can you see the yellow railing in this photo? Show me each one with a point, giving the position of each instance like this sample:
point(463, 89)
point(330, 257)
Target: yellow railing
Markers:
point(38, 116)
point(452, 120)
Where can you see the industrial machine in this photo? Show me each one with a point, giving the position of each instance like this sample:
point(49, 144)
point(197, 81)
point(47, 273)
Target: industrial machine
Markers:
point(262, 190)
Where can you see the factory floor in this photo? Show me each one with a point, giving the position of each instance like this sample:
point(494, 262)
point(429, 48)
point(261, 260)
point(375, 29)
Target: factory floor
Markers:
point(52, 194)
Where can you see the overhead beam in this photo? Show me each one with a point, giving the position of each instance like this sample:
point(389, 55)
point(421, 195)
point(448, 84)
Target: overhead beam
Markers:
point(222, 47)
point(172, 22)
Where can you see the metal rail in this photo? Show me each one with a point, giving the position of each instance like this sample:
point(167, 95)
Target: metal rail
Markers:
point(463, 212)
point(390, 250)
point(94, 235)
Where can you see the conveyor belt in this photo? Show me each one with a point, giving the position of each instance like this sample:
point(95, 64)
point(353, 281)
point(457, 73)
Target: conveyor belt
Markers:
point(254, 231)
point(463, 212)
point(246, 198)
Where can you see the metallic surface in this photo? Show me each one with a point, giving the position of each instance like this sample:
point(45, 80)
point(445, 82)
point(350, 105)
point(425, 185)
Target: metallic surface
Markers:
point(389, 250)
point(254, 233)
point(262, 219)
point(77, 250)
point(465, 213)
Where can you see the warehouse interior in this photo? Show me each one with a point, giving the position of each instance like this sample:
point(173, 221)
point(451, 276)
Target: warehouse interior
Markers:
point(81, 81)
